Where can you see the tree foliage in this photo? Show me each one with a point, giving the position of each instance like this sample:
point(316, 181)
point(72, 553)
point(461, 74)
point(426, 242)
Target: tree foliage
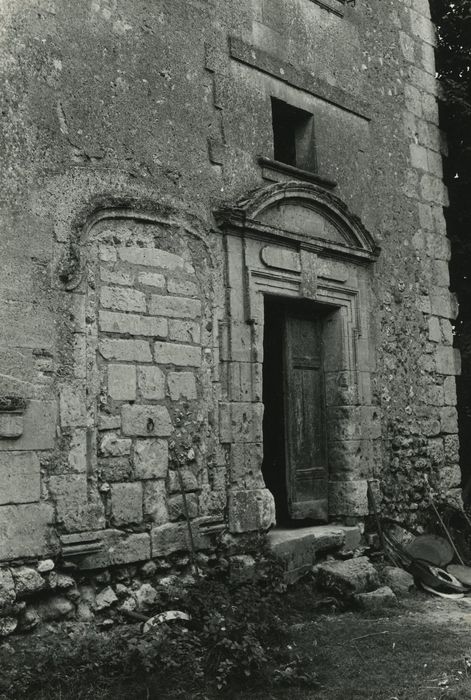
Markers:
point(453, 61)
point(453, 56)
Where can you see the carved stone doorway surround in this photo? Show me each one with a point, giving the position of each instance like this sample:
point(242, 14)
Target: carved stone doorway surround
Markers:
point(297, 241)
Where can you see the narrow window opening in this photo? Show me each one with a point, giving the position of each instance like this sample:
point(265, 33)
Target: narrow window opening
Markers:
point(293, 135)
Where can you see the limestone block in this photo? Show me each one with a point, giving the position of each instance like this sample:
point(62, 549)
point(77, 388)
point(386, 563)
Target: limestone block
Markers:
point(25, 531)
point(183, 287)
point(455, 497)
point(126, 503)
point(109, 422)
point(133, 324)
point(115, 469)
point(442, 303)
point(407, 46)
point(27, 581)
point(19, 477)
point(428, 58)
point(400, 581)
point(107, 253)
point(150, 459)
point(344, 423)
point(189, 480)
point(77, 455)
point(184, 331)
point(341, 389)
point(125, 350)
point(430, 114)
point(153, 257)
point(72, 405)
point(11, 425)
point(375, 600)
point(151, 381)
point(418, 155)
point(7, 588)
point(251, 510)
point(113, 446)
point(353, 458)
point(122, 382)
point(174, 307)
point(447, 329)
point(348, 498)
point(448, 361)
point(176, 354)
point(451, 445)
point(75, 511)
point(413, 100)
point(422, 27)
point(344, 578)
point(146, 421)
point(120, 299)
point(213, 502)
point(432, 188)
point(241, 422)
point(246, 465)
point(450, 477)
point(118, 549)
point(449, 419)
point(434, 395)
point(434, 332)
point(176, 507)
point(174, 537)
point(182, 385)
point(120, 277)
point(155, 501)
point(151, 279)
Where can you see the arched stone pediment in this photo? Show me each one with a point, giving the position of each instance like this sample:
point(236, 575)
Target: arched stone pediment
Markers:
point(303, 212)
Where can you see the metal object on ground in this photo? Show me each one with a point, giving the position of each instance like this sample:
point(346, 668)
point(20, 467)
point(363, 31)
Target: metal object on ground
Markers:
point(167, 616)
point(432, 549)
point(452, 596)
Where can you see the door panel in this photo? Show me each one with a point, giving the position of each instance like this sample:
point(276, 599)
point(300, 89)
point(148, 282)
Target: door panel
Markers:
point(306, 462)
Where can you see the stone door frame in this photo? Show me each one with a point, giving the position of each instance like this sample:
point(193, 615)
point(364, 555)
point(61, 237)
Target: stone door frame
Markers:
point(262, 259)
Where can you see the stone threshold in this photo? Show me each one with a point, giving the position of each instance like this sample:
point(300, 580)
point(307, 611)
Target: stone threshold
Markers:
point(300, 548)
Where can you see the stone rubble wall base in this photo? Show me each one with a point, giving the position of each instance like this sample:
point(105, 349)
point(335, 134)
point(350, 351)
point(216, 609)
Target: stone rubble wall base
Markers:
point(109, 582)
point(251, 510)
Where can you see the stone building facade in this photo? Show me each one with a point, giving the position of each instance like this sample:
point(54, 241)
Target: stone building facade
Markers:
point(224, 272)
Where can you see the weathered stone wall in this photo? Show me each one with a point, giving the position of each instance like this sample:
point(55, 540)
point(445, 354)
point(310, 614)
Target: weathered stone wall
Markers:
point(124, 133)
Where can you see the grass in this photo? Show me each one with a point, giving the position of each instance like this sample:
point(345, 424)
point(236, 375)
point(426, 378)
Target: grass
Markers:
point(420, 650)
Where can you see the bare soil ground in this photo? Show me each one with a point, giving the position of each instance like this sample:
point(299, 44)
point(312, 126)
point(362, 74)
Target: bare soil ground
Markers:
point(419, 650)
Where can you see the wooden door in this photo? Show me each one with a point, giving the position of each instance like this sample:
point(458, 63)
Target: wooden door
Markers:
point(306, 454)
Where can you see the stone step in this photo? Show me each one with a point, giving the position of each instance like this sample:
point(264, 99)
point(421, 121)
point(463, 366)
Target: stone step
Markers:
point(300, 548)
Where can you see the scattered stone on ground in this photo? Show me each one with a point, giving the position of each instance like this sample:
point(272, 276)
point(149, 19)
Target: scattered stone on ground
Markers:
point(146, 596)
point(399, 580)
point(375, 600)
point(344, 578)
point(105, 598)
point(55, 608)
